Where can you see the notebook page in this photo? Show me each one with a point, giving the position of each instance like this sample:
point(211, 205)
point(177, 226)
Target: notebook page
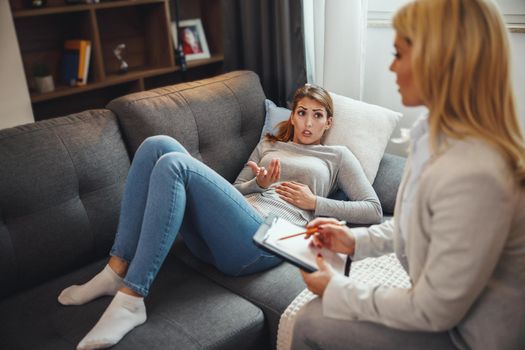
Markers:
point(299, 247)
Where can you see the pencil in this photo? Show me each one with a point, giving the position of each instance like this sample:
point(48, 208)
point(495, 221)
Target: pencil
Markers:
point(309, 231)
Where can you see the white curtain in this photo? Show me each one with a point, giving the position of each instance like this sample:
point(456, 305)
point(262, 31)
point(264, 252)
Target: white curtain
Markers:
point(335, 33)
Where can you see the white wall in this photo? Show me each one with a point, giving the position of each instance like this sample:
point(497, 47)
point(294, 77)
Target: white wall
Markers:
point(344, 65)
point(380, 87)
point(518, 68)
point(379, 82)
point(15, 105)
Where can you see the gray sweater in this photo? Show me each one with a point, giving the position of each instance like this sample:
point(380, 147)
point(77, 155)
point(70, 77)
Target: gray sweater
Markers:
point(324, 169)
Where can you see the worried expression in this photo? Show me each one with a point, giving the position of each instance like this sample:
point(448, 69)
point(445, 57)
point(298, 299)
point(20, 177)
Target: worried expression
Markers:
point(310, 120)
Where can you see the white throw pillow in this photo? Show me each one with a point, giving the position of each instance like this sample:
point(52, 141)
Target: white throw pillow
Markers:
point(364, 128)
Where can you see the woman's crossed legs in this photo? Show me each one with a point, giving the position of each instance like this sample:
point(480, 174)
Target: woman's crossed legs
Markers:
point(166, 188)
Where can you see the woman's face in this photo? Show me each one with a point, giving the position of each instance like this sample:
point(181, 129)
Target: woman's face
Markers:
point(402, 66)
point(188, 36)
point(310, 121)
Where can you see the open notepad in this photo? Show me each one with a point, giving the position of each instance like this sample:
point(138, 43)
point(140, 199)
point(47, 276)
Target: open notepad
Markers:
point(295, 250)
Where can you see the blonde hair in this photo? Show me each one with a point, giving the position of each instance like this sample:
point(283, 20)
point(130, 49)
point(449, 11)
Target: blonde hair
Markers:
point(317, 93)
point(460, 62)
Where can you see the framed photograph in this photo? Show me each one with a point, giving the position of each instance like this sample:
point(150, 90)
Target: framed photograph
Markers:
point(193, 39)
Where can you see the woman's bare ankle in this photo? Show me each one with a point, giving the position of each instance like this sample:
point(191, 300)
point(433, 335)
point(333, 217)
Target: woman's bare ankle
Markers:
point(119, 266)
point(130, 291)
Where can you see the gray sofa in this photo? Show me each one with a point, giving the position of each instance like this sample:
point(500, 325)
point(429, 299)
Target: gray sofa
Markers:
point(61, 182)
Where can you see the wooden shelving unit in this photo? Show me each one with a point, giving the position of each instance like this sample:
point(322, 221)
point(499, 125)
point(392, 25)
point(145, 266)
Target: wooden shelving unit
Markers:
point(143, 25)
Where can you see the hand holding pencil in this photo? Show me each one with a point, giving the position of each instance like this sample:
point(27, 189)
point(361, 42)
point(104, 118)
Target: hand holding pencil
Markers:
point(335, 236)
point(331, 234)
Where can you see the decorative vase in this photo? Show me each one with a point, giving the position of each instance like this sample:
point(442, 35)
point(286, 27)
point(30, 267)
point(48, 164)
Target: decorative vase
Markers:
point(37, 3)
point(44, 84)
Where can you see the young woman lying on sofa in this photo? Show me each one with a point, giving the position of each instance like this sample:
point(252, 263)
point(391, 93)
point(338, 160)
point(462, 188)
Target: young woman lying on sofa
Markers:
point(168, 191)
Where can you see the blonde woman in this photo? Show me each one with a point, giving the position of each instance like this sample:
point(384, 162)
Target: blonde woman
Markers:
point(459, 223)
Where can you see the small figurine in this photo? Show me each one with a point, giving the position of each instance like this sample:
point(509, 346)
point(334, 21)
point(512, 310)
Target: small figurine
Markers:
point(123, 67)
point(37, 3)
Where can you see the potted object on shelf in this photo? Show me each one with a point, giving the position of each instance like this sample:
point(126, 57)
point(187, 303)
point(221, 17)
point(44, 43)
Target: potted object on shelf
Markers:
point(43, 78)
point(37, 3)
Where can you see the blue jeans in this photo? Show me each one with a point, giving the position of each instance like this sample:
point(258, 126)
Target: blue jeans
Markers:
point(168, 190)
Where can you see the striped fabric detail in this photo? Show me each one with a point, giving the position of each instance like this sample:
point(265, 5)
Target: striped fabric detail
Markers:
point(266, 203)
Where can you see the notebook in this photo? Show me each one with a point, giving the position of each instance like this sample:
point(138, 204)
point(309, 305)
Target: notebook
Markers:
point(296, 250)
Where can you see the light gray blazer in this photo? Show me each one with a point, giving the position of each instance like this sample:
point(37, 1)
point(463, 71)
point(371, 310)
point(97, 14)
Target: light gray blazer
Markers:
point(464, 253)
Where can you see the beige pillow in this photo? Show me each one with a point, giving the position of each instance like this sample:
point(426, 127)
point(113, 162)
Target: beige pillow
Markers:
point(364, 128)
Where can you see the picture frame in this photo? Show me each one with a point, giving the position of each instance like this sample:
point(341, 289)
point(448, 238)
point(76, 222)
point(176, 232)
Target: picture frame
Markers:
point(194, 44)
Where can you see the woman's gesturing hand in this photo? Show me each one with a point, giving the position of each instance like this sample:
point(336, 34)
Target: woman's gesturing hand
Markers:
point(332, 236)
point(297, 194)
point(266, 177)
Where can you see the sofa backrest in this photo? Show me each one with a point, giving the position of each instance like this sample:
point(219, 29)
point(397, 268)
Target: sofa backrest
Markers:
point(219, 120)
point(60, 187)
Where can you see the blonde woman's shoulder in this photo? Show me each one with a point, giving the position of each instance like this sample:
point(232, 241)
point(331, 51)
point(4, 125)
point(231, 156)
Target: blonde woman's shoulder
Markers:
point(472, 157)
point(477, 152)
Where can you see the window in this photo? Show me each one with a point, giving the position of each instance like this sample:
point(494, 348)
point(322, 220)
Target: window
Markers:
point(380, 12)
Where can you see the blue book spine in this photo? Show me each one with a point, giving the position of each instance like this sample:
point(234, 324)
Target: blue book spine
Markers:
point(70, 68)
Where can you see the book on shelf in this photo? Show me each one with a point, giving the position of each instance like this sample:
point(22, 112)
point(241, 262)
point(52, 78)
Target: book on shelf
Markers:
point(75, 62)
point(69, 68)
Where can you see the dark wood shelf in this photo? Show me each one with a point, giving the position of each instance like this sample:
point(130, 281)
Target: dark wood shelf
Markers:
point(123, 3)
point(114, 79)
point(80, 7)
point(144, 26)
point(51, 10)
point(62, 90)
point(213, 59)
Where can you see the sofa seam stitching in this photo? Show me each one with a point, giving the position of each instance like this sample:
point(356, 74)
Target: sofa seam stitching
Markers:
point(251, 326)
point(188, 88)
point(179, 326)
point(67, 121)
point(17, 274)
point(66, 201)
point(238, 104)
point(194, 122)
point(78, 182)
point(216, 281)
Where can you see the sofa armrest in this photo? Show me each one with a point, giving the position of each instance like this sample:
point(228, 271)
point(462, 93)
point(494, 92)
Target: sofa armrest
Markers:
point(387, 181)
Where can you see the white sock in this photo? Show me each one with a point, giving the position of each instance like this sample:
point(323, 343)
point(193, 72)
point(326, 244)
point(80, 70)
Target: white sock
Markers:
point(106, 282)
point(123, 314)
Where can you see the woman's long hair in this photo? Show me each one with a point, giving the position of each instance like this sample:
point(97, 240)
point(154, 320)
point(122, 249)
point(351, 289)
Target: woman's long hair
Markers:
point(461, 65)
point(317, 93)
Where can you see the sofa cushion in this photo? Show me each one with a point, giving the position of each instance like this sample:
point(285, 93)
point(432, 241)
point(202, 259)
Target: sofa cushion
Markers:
point(185, 311)
point(60, 190)
point(218, 120)
point(387, 181)
point(272, 290)
point(274, 116)
point(362, 127)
